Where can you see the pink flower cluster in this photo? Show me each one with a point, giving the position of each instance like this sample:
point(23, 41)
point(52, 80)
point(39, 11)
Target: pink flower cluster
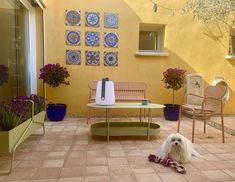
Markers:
point(54, 75)
point(174, 78)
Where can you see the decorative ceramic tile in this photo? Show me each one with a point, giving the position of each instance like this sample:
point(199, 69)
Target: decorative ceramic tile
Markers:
point(93, 58)
point(92, 19)
point(73, 57)
point(110, 58)
point(73, 17)
point(110, 39)
point(110, 20)
point(92, 38)
point(73, 37)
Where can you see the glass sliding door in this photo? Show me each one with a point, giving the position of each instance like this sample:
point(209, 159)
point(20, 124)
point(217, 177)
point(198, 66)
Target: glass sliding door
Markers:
point(16, 63)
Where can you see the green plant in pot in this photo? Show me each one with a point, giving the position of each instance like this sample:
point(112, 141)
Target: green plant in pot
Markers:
point(54, 75)
point(174, 79)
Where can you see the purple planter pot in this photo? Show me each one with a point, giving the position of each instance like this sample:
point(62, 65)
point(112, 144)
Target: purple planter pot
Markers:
point(171, 112)
point(56, 112)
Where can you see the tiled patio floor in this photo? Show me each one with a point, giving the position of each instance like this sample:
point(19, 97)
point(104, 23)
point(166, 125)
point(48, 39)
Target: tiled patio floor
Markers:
point(68, 153)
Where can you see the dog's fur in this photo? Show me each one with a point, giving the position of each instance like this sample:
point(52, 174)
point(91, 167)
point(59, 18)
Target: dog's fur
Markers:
point(178, 148)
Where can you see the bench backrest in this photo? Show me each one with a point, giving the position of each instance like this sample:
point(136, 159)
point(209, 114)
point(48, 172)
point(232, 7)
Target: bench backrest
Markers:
point(124, 91)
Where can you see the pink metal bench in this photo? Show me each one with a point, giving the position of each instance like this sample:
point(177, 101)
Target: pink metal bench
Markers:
point(124, 91)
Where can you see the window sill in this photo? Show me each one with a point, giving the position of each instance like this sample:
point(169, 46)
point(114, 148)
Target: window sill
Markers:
point(230, 57)
point(152, 53)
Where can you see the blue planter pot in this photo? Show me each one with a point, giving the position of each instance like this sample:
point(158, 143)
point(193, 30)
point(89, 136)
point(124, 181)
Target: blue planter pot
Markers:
point(56, 112)
point(171, 112)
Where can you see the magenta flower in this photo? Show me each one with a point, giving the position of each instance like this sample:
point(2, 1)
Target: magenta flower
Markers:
point(54, 75)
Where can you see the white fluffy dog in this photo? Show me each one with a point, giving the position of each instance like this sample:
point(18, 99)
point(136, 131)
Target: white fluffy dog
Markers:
point(178, 148)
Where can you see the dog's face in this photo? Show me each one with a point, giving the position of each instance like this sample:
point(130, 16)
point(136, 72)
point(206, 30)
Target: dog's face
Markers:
point(176, 140)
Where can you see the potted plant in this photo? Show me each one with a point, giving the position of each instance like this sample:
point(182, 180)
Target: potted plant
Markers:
point(174, 79)
point(19, 118)
point(55, 75)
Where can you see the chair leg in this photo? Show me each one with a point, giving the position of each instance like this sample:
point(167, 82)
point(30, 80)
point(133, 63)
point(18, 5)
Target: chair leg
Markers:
point(178, 127)
point(193, 128)
point(222, 127)
point(204, 119)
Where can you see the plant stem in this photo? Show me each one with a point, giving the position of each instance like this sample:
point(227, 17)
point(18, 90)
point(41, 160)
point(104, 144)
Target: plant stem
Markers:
point(173, 97)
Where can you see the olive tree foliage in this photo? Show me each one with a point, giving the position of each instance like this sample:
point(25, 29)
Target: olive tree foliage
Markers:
point(213, 11)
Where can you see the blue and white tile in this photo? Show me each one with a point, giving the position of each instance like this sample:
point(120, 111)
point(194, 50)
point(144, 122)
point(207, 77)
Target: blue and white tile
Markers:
point(110, 20)
point(92, 19)
point(73, 37)
point(111, 59)
point(93, 58)
point(73, 17)
point(110, 39)
point(92, 38)
point(73, 57)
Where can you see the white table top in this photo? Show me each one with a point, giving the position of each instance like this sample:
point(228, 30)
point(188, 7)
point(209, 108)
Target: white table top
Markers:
point(127, 105)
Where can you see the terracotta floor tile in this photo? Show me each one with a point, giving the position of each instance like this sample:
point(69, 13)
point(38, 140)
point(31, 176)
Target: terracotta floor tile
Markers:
point(73, 179)
point(77, 171)
point(223, 164)
point(61, 148)
point(124, 178)
point(148, 177)
point(30, 164)
point(230, 172)
point(119, 169)
point(116, 153)
point(196, 177)
point(142, 169)
point(44, 180)
point(217, 175)
point(97, 179)
point(67, 152)
point(39, 156)
point(96, 153)
point(57, 155)
point(47, 173)
point(204, 165)
point(97, 161)
point(210, 157)
point(172, 177)
point(117, 161)
point(72, 162)
point(96, 170)
point(133, 152)
point(21, 174)
point(52, 163)
point(77, 154)
point(132, 160)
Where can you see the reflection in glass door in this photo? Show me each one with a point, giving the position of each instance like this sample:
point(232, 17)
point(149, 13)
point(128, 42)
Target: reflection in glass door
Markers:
point(14, 49)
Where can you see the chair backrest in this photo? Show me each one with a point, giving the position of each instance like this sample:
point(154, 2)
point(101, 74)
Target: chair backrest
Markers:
point(215, 92)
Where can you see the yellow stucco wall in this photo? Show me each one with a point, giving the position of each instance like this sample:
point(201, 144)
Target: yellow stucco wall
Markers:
point(189, 43)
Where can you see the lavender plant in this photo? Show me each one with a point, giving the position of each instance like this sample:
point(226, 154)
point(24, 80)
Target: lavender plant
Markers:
point(18, 110)
point(54, 75)
point(174, 79)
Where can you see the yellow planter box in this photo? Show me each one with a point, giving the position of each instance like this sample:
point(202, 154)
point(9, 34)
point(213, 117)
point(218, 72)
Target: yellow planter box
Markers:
point(8, 139)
